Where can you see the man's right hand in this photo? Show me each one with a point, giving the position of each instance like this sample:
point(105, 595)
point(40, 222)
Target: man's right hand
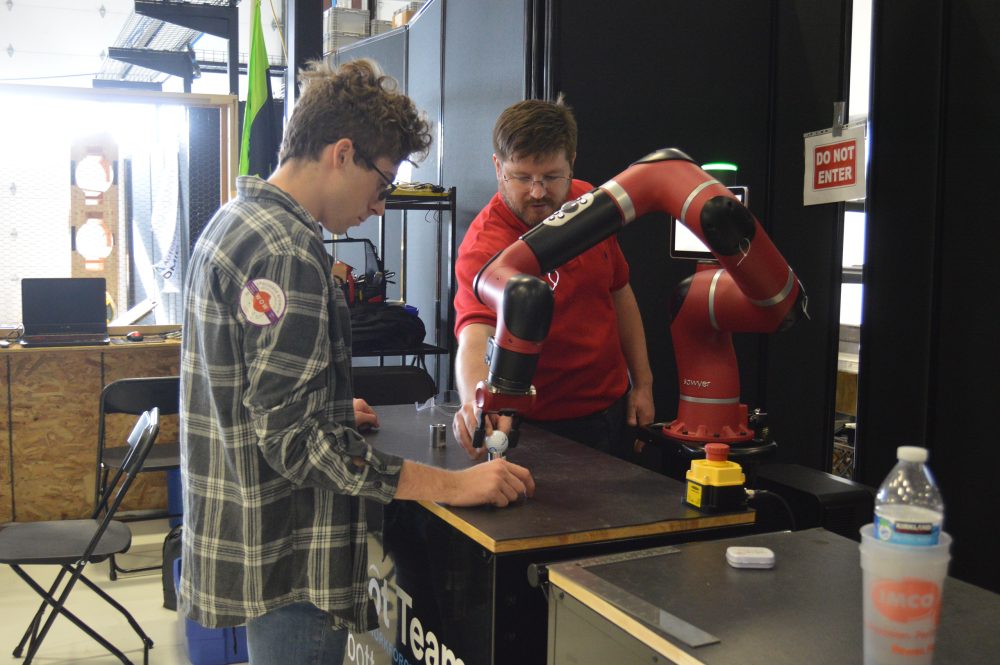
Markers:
point(467, 420)
point(464, 426)
point(497, 483)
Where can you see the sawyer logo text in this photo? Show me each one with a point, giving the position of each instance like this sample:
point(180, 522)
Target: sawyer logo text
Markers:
point(697, 383)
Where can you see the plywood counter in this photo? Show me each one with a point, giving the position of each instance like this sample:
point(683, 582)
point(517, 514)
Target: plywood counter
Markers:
point(49, 399)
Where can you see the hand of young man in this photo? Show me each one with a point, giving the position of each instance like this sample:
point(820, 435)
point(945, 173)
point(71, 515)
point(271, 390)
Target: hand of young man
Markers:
point(365, 417)
point(497, 483)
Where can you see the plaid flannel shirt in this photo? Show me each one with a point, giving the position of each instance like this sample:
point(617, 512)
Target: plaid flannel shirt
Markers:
point(274, 507)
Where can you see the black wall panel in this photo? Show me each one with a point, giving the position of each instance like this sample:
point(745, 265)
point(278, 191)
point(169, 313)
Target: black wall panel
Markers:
point(665, 75)
point(929, 365)
point(809, 68)
point(964, 351)
point(672, 74)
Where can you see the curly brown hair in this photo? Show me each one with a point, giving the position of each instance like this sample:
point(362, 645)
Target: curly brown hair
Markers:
point(535, 128)
point(356, 101)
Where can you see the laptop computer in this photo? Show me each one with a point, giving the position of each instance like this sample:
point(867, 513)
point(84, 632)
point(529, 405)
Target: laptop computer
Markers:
point(69, 311)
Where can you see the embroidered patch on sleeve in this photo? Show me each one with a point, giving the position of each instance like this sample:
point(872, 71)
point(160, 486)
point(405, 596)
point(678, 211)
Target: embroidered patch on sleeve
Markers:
point(262, 302)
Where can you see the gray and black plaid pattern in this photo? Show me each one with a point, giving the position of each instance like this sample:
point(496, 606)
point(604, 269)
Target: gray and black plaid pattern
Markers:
point(274, 507)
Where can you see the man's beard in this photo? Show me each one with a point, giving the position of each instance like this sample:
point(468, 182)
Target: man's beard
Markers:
point(529, 214)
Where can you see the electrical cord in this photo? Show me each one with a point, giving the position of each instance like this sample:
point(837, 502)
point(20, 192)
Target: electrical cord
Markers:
point(752, 495)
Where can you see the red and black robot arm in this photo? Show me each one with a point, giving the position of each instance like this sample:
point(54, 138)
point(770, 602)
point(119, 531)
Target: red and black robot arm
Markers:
point(754, 290)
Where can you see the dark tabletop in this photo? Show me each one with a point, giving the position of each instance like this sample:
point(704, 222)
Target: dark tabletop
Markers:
point(807, 609)
point(581, 495)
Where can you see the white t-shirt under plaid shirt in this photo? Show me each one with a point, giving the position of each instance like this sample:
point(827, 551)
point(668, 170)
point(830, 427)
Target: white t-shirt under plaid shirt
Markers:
point(274, 506)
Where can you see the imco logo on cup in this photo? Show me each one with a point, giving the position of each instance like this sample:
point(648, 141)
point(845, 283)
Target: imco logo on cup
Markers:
point(907, 599)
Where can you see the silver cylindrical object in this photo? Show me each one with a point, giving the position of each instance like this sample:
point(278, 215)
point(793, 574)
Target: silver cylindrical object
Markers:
point(438, 435)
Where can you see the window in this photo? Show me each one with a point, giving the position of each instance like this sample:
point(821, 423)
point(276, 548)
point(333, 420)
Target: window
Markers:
point(145, 138)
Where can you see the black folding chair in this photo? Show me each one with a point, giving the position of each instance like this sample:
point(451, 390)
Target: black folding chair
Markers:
point(72, 544)
point(132, 397)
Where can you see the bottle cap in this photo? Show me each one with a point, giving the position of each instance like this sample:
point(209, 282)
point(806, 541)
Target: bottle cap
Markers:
point(716, 452)
point(911, 454)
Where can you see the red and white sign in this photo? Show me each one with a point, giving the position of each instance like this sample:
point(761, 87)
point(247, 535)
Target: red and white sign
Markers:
point(835, 166)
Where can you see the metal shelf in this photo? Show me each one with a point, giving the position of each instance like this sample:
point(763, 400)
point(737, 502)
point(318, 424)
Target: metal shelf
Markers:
point(426, 198)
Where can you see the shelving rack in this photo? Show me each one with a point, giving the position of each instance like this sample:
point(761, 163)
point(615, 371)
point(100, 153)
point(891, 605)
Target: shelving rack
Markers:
point(439, 327)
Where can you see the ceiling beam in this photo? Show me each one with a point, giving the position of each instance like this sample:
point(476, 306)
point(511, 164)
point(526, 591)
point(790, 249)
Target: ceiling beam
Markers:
point(175, 63)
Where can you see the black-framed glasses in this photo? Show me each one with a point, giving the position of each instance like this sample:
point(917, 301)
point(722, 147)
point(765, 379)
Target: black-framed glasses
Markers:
point(390, 186)
point(546, 181)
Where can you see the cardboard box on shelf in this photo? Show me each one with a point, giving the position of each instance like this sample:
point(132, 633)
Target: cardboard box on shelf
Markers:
point(346, 21)
point(378, 27)
point(403, 15)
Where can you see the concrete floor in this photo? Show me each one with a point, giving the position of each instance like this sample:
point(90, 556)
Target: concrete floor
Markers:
point(140, 593)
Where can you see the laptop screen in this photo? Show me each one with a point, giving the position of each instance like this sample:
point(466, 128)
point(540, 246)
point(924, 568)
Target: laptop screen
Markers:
point(53, 305)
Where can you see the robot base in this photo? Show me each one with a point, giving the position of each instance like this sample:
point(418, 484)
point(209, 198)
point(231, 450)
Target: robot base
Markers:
point(672, 457)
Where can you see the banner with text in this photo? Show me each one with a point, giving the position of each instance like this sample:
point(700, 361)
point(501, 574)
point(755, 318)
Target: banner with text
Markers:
point(835, 166)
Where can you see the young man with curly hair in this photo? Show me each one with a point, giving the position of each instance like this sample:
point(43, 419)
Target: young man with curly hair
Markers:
point(276, 473)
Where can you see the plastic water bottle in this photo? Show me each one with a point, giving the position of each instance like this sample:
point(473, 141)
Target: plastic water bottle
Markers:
point(908, 506)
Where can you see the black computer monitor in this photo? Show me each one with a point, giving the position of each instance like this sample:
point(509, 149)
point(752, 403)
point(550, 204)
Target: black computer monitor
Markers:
point(684, 244)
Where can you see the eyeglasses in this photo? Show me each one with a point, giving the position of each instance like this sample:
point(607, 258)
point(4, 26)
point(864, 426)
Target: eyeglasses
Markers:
point(390, 186)
point(546, 181)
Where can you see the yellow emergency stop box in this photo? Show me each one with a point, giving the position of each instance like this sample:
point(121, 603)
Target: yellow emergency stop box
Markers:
point(715, 484)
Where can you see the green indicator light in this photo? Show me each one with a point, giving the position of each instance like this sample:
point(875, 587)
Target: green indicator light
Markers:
point(719, 166)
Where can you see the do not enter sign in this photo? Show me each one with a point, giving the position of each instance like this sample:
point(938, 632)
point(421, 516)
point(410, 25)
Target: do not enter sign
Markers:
point(835, 166)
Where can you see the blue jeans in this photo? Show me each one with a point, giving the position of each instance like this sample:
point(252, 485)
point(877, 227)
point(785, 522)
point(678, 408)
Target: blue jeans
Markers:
point(295, 634)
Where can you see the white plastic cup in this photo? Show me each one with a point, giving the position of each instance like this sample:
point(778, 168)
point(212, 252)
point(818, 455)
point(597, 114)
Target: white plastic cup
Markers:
point(902, 587)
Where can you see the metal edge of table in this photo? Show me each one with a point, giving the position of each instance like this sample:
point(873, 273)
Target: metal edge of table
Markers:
point(566, 579)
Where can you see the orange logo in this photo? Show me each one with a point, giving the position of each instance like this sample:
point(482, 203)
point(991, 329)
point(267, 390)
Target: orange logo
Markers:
point(262, 302)
point(906, 600)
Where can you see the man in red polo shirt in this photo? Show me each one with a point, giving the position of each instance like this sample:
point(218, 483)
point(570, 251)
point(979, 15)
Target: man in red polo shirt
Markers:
point(593, 377)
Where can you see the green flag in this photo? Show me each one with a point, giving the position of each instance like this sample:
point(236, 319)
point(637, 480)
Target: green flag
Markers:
point(259, 147)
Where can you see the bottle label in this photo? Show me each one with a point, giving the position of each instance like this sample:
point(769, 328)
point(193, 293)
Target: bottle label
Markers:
point(906, 532)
